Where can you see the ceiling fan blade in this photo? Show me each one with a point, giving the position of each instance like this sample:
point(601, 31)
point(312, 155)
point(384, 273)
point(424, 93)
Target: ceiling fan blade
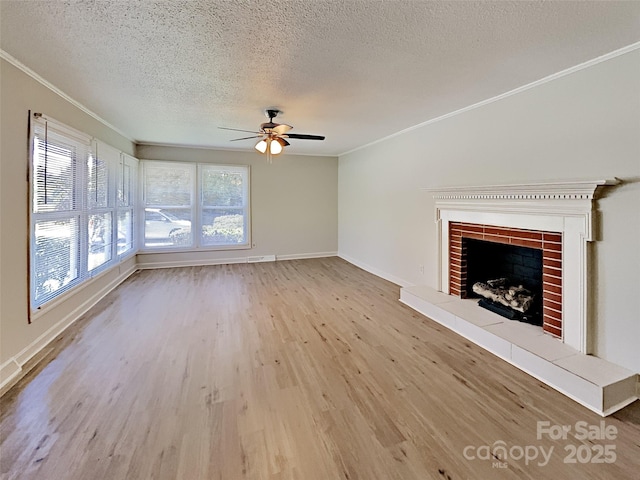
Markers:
point(244, 138)
point(281, 129)
point(303, 136)
point(237, 130)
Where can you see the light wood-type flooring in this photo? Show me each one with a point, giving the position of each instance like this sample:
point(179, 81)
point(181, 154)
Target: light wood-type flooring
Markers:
point(304, 369)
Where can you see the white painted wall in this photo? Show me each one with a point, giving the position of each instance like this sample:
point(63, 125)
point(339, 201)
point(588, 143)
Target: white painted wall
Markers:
point(585, 125)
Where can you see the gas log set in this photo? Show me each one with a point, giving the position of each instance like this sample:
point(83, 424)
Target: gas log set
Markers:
point(511, 301)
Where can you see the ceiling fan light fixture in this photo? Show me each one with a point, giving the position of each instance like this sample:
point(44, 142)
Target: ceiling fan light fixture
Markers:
point(261, 146)
point(276, 147)
point(272, 135)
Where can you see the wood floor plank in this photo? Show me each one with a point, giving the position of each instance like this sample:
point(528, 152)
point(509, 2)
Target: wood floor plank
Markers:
point(304, 369)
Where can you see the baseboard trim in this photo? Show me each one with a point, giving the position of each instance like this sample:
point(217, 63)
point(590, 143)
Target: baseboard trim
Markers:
point(229, 261)
point(375, 271)
point(13, 369)
point(190, 263)
point(305, 256)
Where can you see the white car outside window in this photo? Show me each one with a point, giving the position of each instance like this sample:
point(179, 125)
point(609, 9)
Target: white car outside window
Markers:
point(162, 227)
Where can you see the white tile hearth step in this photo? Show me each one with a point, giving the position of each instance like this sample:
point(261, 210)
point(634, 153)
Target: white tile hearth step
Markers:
point(599, 385)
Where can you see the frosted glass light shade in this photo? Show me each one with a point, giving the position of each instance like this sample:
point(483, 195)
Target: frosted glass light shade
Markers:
point(261, 146)
point(276, 147)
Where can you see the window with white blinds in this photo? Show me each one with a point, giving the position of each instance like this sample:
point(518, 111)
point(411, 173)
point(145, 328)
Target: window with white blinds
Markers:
point(224, 205)
point(168, 193)
point(100, 205)
point(190, 206)
point(127, 176)
point(76, 183)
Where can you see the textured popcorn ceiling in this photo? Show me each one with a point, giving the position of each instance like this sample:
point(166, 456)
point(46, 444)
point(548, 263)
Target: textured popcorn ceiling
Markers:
point(171, 72)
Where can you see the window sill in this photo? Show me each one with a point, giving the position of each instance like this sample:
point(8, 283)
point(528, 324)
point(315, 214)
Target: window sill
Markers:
point(194, 249)
point(36, 313)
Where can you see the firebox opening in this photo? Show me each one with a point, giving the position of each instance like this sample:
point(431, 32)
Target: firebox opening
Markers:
point(521, 266)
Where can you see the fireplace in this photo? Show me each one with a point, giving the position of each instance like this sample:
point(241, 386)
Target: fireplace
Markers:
point(556, 221)
point(531, 258)
point(555, 218)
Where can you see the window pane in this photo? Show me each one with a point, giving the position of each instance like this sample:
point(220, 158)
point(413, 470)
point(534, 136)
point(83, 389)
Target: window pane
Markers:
point(222, 226)
point(97, 183)
point(167, 227)
point(125, 231)
point(124, 185)
point(99, 234)
point(224, 205)
point(222, 187)
point(54, 170)
point(168, 185)
point(56, 256)
point(127, 173)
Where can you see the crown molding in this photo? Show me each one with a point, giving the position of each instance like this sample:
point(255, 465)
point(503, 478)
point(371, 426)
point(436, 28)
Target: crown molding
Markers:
point(226, 149)
point(536, 83)
point(568, 190)
point(20, 66)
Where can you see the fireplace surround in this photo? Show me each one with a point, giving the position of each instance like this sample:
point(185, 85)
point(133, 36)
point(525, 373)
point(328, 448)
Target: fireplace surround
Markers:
point(557, 217)
point(549, 244)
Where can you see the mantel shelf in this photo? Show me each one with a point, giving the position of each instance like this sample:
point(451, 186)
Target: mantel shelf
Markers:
point(567, 190)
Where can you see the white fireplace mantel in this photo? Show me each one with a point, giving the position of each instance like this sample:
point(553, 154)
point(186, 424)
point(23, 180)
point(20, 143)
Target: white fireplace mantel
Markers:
point(563, 207)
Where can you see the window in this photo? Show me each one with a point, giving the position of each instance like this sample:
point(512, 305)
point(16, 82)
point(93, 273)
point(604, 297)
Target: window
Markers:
point(73, 208)
point(99, 205)
point(168, 201)
point(224, 207)
point(173, 219)
point(125, 205)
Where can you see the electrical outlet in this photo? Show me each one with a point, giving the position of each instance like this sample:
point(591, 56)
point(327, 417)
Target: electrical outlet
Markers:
point(421, 269)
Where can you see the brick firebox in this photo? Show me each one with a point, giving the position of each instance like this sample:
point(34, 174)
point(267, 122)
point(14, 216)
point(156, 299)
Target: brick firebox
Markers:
point(549, 242)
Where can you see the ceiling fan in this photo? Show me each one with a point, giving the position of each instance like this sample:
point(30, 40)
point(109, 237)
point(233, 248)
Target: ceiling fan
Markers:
point(273, 135)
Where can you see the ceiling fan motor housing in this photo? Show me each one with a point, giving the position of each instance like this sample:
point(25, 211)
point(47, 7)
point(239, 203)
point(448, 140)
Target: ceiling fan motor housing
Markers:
point(268, 126)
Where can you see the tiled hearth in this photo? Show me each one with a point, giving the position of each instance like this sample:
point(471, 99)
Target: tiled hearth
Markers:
point(601, 386)
point(554, 217)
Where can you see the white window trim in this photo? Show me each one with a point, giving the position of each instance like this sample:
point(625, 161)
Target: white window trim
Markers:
point(196, 209)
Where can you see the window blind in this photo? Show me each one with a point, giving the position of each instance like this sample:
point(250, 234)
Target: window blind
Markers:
point(188, 205)
point(168, 200)
point(224, 208)
point(58, 156)
point(82, 195)
point(125, 206)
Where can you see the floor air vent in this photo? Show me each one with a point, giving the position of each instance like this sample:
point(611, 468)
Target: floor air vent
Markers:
point(262, 258)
